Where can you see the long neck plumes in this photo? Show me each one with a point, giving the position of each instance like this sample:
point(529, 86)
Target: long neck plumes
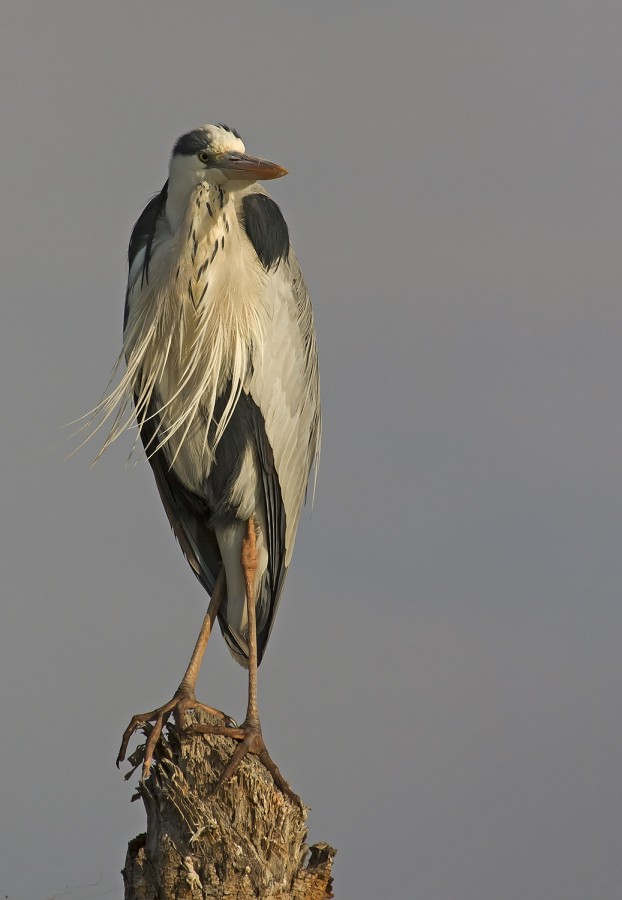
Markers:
point(192, 329)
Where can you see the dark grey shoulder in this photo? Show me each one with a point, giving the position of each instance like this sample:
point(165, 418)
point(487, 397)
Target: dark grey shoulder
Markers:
point(144, 229)
point(266, 229)
point(142, 237)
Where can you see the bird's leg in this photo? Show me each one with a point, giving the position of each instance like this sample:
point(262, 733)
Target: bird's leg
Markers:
point(249, 733)
point(249, 567)
point(184, 697)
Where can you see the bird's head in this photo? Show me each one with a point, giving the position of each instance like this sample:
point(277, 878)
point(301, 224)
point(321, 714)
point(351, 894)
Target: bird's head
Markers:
point(216, 154)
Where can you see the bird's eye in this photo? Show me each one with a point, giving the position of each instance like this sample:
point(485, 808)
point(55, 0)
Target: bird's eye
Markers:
point(203, 156)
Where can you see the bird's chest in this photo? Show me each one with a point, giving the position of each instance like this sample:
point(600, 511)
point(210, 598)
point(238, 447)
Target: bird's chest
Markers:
point(212, 327)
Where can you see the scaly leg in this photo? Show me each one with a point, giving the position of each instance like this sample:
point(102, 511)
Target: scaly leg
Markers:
point(184, 697)
point(249, 732)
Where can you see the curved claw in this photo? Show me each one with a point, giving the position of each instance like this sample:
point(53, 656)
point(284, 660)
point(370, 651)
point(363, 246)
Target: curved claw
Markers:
point(142, 719)
point(238, 755)
point(251, 741)
point(278, 779)
point(152, 740)
point(229, 720)
point(180, 703)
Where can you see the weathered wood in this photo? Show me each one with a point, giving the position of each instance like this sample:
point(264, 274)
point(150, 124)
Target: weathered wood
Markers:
point(245, 842)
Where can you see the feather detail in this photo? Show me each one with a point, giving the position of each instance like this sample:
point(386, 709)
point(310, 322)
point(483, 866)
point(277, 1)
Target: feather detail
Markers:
point(184, 349)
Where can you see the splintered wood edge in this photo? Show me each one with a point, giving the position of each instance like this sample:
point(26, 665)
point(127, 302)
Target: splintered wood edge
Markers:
point(246, 841)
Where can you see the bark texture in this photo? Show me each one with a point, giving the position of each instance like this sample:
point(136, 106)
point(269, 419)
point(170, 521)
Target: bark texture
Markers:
point(246, 841)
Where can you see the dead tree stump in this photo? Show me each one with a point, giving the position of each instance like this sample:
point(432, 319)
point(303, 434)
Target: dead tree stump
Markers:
point(246, 842)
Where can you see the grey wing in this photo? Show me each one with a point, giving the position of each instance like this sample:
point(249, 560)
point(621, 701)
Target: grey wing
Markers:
point(187, 513)
point(284, 386)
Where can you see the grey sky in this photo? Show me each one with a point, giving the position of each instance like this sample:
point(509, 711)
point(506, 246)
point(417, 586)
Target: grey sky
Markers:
point(443, 682)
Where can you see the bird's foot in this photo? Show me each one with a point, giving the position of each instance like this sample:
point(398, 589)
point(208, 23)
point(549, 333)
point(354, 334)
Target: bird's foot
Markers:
point(183, 700)
point(251, 741)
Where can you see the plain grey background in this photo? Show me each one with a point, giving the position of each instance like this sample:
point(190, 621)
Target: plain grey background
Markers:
point(443, 685)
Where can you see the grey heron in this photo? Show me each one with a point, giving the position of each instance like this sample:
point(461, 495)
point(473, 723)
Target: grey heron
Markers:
point(222, 377)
